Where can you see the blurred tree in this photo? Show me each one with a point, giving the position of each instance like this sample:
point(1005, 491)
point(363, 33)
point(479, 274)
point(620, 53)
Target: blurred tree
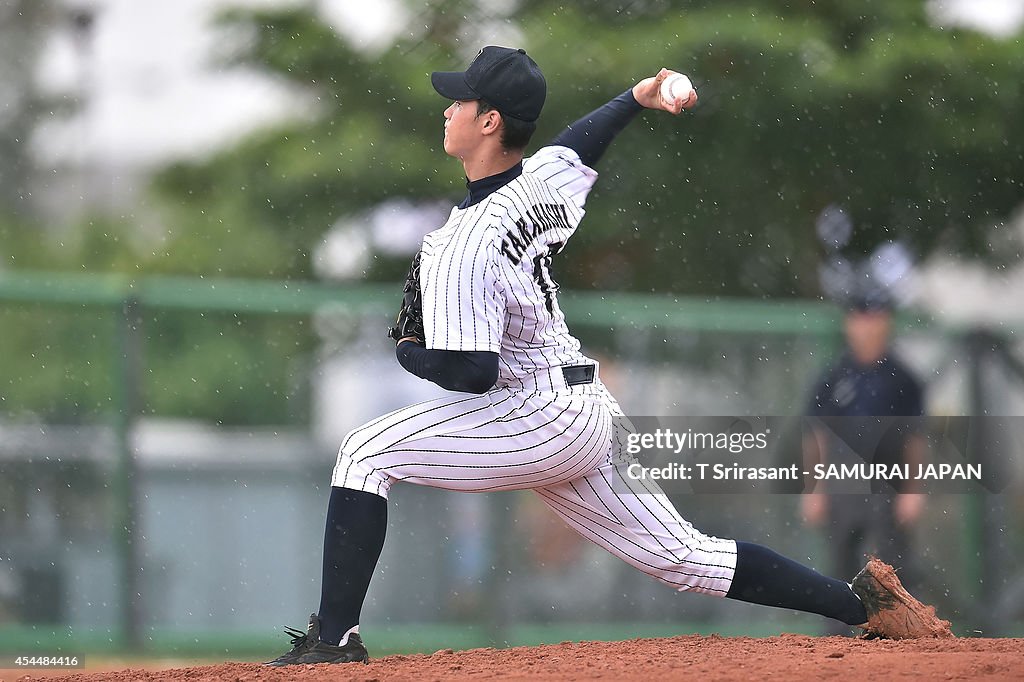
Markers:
point(912, 128)
point(22, 23)
point(57, 363)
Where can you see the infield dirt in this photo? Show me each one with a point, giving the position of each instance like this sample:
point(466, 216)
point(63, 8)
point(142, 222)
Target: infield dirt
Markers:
point(786, 657)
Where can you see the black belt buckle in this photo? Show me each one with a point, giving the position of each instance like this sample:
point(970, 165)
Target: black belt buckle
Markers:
point(578, 374)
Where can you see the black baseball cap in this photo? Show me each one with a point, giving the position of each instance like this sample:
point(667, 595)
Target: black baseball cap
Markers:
point(504, 77)
point(870, 302)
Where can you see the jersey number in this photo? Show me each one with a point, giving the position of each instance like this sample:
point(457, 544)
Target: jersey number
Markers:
point(542, 273)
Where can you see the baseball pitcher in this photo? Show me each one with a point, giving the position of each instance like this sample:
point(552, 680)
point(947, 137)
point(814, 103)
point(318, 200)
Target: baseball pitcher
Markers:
point(480, 316)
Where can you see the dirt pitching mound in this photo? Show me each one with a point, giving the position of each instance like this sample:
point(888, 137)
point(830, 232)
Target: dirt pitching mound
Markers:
point(788, 657)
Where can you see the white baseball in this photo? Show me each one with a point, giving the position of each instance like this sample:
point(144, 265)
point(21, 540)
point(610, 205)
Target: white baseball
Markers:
point(676, 85)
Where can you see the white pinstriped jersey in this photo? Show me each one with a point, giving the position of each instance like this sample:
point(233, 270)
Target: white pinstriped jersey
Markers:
point(486, 285)
point(485, 276)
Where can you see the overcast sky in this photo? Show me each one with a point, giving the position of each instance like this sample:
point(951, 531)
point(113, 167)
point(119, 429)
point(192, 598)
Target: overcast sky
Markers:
point(148, 88)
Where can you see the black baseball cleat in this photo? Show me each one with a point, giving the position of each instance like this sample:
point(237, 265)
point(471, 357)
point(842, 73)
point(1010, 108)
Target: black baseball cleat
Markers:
point(307, 648)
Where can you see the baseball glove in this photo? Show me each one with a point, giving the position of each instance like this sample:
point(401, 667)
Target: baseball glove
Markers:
point(410, 315)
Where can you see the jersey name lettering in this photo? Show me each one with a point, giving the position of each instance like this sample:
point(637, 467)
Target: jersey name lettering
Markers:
point(537, 220)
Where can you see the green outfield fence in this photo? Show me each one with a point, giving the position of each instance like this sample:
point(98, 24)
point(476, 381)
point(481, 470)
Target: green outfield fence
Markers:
point(118, 304)
point(118, 292)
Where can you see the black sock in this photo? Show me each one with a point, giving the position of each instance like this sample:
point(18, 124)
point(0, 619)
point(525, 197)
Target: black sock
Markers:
point(768, 578)
point(356, 524)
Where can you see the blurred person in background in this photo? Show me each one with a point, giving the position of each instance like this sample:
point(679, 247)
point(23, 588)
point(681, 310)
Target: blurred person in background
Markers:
point(867, 380)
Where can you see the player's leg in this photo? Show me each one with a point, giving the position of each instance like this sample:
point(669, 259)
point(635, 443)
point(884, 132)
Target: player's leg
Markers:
point(640, 525)
point(356, 525)
point(501, 440)
point(353, 539)
point(357, 512)
point(644, 531)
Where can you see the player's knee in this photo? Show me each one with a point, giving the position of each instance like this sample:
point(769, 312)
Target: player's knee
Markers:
point(347, 444)
point(706, 565)
point(354, 468)
point(352, 453)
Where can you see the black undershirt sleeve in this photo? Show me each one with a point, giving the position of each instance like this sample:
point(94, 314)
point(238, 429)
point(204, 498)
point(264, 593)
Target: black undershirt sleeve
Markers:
point(591, 135)
point(470, 371)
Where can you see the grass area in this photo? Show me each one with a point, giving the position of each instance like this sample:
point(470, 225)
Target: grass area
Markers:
point(382, 641)
point(404, 639)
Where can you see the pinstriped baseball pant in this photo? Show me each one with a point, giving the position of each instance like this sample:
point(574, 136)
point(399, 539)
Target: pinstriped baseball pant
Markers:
point(562, 444)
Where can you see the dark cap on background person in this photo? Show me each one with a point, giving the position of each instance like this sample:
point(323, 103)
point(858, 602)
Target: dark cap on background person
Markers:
point(869, 302)
point(503, 77)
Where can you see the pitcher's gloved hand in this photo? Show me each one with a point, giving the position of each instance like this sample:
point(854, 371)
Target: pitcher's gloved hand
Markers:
point(410, 316)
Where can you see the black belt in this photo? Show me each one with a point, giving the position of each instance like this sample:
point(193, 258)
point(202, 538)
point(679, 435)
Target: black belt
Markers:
point(578, 374)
